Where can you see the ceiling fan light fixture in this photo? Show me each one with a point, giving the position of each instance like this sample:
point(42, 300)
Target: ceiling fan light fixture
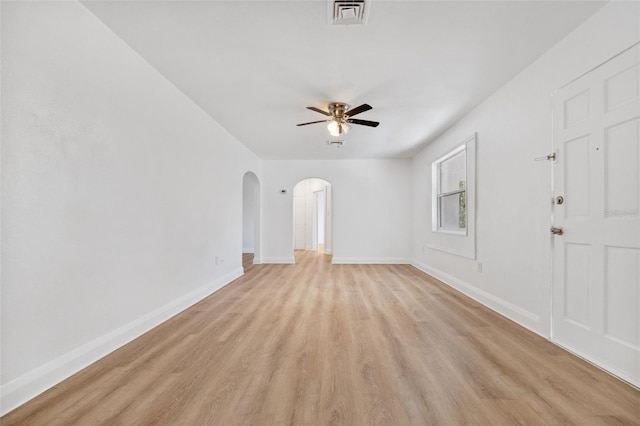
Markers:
point(341, 117)
point(334, 128)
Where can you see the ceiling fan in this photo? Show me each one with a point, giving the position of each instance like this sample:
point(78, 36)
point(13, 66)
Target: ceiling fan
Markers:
point(341, 117)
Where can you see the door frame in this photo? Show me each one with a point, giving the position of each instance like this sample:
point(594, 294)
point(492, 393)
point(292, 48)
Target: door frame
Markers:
point(250, 181)
point(311, 216)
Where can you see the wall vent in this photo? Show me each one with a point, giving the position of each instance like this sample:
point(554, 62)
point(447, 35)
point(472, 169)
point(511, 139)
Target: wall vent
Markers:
point(348, 12)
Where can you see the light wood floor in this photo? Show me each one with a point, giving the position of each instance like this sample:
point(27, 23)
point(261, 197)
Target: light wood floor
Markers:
point(319, 344)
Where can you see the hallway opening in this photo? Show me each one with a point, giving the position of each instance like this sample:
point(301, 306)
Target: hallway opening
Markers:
point(312, 216)
point(250, 220)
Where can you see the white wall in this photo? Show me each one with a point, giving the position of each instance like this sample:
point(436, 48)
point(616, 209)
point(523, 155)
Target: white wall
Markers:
point(370, 208)
point(513, 191)
point(118, 193)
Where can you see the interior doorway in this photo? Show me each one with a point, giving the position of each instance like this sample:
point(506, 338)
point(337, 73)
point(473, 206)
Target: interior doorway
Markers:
point(250, 220)
point(312, 216)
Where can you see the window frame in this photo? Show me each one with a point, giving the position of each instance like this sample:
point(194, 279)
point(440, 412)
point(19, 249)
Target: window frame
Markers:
point(436, 168)
point(457, 243)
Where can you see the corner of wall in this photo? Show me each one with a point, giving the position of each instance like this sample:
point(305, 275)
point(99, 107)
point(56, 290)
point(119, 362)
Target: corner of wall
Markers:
point(28, 386)
point(508, 310)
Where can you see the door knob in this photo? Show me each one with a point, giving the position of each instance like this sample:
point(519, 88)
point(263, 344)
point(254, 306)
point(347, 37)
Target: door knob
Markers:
point(556, 230)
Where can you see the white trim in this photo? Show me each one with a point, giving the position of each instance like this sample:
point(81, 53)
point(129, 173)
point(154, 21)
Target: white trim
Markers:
point(278, 260)
point(598, 364)
point(38, 380)
point(248, 250)
point(369, 261)
point(444, 249)
point(257, 260)
point(515, 313)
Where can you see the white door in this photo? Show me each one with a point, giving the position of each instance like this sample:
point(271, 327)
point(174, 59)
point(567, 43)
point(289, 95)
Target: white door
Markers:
point(596, 261)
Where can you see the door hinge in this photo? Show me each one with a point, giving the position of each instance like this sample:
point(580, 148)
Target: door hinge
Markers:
point(550, 157)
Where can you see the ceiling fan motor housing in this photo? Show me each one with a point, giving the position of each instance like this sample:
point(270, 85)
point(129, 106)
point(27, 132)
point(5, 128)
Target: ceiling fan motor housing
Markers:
point(337, 109)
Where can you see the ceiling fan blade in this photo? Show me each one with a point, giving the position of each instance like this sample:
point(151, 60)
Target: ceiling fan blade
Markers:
point(358, 110)
point(363, 122)
point(312, 122)
point(319, 110)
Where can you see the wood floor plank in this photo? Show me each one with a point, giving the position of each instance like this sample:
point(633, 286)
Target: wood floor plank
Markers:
point(321, 344)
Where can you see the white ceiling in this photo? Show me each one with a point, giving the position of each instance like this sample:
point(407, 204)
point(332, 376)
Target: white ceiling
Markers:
point(254, 66)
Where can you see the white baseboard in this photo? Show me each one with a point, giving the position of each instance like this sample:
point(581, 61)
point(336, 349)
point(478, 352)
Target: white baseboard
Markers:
point(28, 386)
point(515, 313)
point(247, 250)
point(257, 260)
point(599, 364)
point(290, 259)
point(369, 261)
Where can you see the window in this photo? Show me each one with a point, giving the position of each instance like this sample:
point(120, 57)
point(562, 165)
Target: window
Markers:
point(450, 192)
point(453, 200)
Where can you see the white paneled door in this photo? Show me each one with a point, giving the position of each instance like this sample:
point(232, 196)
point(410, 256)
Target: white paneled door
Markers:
point(596, 260)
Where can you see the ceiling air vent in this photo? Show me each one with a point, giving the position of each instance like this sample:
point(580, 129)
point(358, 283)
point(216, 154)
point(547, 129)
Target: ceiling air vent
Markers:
point(335, 144)
point(348, 12)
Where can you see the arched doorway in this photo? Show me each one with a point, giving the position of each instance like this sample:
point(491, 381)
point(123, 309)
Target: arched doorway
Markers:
point(250, 220)
point(312, 216)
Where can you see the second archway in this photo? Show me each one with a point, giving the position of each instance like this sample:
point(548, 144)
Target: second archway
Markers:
point(313, 216)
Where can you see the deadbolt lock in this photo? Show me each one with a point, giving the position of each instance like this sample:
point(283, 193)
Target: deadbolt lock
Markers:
point(559, 199)
point(556, 230)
